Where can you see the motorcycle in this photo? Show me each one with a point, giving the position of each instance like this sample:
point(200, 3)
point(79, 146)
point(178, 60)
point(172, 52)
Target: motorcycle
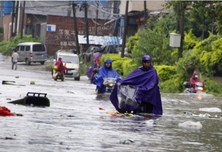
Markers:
point(109, 83)
point(95, 71)
point(199, 87)
point(57, 75)
point(126, 96)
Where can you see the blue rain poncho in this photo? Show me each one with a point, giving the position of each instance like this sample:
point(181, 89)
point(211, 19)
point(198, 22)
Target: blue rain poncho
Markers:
point(145, 84)
point(105, 72)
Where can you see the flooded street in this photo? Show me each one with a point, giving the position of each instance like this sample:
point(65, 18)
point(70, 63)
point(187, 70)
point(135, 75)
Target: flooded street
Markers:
point(78, 119)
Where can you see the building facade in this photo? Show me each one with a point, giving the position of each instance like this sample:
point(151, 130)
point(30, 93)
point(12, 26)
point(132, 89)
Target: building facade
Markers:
point(53, 22)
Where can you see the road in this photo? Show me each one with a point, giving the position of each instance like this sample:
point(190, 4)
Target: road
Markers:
point(77, 119)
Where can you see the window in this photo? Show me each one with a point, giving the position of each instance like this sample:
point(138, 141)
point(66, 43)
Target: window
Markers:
point(27, 48)
point(38, 47)
point(22, 48)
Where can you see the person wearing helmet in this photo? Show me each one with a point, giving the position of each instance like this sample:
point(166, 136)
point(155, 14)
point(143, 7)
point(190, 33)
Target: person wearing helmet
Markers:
point(193, 80)
point(147, 95)
point(105, 71)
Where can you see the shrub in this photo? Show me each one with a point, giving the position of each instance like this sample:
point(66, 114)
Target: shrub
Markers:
point(212, 87)
point(122, 66)
point(7, 46)
point(165, 72)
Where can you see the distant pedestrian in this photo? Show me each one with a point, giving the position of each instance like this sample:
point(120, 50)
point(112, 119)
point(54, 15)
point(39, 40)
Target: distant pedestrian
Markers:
point(15, 57)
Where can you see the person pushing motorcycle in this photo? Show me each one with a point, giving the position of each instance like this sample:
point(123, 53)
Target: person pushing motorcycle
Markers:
point(147, 95)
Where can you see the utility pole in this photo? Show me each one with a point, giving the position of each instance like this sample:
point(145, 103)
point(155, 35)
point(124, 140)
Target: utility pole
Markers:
point(125, 29)
point(13, 16)
point(180, 28)
point(23, 16)
point(87, 27)
point(97, 14)
point(145, 13)
point(76, 28)
point(16, 16)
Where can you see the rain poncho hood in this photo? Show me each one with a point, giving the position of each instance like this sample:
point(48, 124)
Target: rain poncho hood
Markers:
point(60, 66)
point(146, 82)
point(105, 72)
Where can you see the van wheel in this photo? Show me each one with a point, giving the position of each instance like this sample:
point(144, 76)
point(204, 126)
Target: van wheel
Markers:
point(77, 78)
point(42, 63)
point(27, 62)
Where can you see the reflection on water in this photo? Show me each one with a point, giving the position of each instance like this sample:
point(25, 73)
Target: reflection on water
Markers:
point(74, 122)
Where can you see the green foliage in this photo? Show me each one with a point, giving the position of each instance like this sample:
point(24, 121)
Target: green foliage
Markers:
point(169, 86)
point(7, 46)
point(1, 30)
point(128, 67)
point(1, 34)
point(169, 80)
point(154, 41)
point(165, 72)
point(204, 56)
point(132, 41)
point(166, 24)
point(209, 53)
point(218, 20)
point(212, 87)
point(155, 44)
point(122, 65)
point(48, 67)
point(113, 57)
point(83, 68)
point(187, 64)
point(190, 40)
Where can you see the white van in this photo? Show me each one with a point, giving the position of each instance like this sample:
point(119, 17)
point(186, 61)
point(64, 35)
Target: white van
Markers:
point(71, 61)
point(31, 52)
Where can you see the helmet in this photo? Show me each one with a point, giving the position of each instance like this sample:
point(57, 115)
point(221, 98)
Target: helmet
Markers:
point(146, 58)
point(55, 67)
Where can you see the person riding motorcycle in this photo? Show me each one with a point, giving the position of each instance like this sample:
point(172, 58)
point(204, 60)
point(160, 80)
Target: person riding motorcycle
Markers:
point(59, 68)
point(193, 80)
point(91, 71)
point(106, 71)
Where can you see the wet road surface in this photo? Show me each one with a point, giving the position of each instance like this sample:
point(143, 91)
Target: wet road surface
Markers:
point(77, 119)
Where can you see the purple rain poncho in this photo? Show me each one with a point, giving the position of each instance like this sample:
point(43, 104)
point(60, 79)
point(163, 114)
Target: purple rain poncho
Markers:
point(105, 72)
point(90, 71)
point(146, 82)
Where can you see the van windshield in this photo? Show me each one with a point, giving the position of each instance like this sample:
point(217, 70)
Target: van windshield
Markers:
point(38, 47)
point(69, 59)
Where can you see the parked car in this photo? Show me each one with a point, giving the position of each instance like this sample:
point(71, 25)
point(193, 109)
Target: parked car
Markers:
point(71, 61)
point(31, 52)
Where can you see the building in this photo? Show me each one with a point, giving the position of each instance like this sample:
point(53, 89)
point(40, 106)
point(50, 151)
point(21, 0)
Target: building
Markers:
point(1, 13)
point(136, 13)
point(53, 21)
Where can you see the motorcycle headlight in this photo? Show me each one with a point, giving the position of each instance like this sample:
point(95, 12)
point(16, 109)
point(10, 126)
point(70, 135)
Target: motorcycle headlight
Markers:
point(200, 88)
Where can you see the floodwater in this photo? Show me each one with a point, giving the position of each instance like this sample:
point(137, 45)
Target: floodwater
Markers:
point(77, 119)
